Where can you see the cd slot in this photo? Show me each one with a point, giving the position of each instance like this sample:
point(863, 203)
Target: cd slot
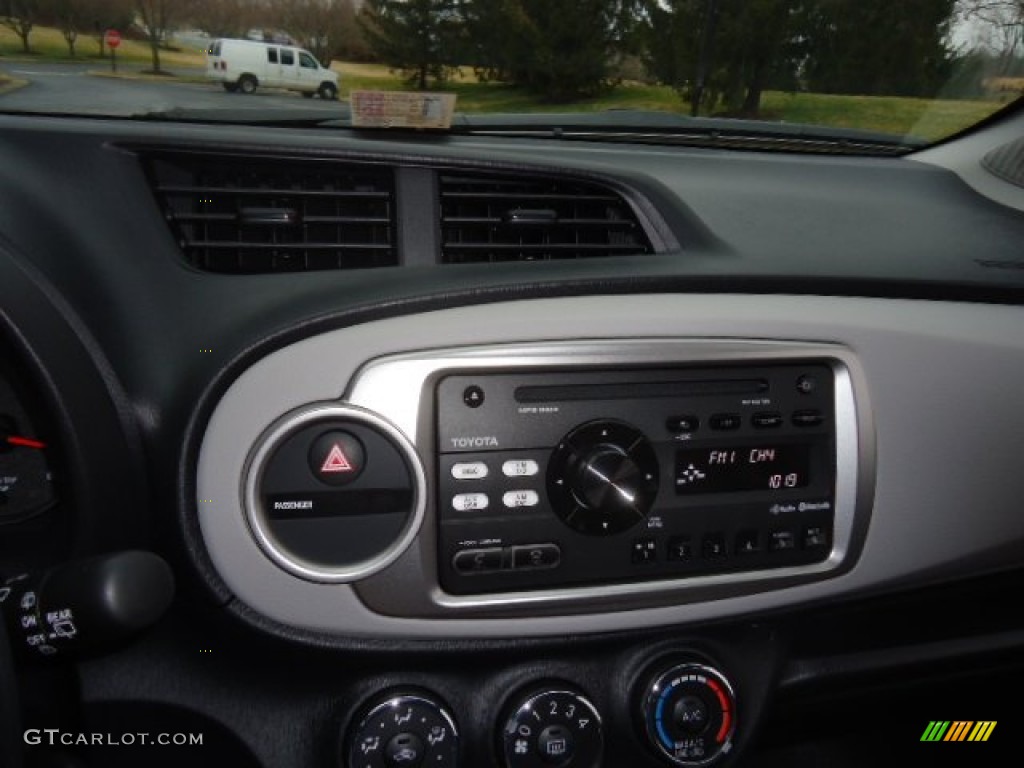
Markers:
point(633, 390)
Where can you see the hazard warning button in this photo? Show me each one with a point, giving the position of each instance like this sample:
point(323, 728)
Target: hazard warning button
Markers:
point(337, 458)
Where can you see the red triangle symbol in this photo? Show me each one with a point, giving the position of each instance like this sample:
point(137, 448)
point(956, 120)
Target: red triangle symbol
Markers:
point(336, 461)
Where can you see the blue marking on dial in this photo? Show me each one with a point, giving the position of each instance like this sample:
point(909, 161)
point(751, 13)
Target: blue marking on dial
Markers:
point(669, 744)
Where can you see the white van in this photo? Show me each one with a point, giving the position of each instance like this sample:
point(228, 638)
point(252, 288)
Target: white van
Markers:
point(245, 65)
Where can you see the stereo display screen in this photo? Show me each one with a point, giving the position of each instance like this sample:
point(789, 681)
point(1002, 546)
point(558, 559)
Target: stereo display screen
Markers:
point(764, 467)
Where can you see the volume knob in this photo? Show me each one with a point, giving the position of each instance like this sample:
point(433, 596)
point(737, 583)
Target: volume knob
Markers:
point(603, 478)
point(607, 478)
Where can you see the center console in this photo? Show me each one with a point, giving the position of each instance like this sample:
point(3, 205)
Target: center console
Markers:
point(542, 490)
point(566, 478)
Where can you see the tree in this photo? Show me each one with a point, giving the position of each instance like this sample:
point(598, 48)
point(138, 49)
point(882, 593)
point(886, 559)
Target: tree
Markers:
point(418, 37)
point(348, 40)
point(20, 16)
point(559, 49)
point(159, 18)
point(725, 51)
point(69, 16)
point(877, 47)
point(101, 15)
point(328, 28)
point(227, 18)
point(1002, 21)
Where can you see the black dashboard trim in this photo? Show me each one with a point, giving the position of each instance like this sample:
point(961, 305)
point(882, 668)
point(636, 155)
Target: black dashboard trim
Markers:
point(105, 461)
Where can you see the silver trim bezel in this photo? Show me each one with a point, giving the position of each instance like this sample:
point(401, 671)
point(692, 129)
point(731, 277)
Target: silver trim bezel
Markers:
point(255, 514)
point(402, 386)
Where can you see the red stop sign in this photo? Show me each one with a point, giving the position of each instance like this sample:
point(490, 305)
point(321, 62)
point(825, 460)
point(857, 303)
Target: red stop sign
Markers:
point(113, 38)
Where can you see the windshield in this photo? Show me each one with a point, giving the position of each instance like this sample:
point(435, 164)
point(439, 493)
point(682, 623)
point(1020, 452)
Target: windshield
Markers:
point(906, 72)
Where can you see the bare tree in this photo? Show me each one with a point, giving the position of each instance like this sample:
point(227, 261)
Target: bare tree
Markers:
point(1003, 20)
point(20, 16)
point(227, 18)
point(325, 27)
point(159, 19)
point(305, 20)
point(69, 18)
point(101, 15)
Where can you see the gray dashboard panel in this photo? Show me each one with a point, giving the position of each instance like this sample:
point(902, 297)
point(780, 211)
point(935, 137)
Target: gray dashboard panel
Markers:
point(942, 379)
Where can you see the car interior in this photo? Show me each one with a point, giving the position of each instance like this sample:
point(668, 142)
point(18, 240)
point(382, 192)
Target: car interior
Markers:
point(344, 448)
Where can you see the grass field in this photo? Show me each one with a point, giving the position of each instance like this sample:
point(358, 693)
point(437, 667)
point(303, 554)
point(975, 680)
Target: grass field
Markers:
point(48, 44)
point(928, 119)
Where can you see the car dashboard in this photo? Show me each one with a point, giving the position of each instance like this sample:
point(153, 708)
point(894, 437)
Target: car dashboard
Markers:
point(506, 452)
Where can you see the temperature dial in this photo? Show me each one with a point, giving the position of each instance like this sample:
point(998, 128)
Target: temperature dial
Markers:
point(552, 728)
point(689, 714)
point(603, 477)
point(405, 731)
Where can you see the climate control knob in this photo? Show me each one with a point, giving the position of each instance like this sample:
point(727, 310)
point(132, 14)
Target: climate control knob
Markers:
point(404, 730)
point(551, 727)
point(603, 478)
point(689, 714)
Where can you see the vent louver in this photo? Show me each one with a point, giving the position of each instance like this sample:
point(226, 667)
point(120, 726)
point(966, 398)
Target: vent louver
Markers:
point(260, 214)
point(527, 218)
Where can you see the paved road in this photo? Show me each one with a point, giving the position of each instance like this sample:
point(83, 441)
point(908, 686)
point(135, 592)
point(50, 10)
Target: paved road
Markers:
point(69, 88)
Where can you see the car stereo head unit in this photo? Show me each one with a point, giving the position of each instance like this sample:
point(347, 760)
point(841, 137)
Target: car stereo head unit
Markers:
point(570, 478)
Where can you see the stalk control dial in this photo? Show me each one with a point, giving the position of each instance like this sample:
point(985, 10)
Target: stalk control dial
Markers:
point(603, 478)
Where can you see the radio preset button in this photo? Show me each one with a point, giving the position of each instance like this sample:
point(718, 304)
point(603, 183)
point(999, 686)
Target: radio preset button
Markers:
point(814, 537)
point(766, 420)
point(747, 542)
point(782, 541)
point(470, 470)
point(680, 549)
point(536, 556)
point(713, 546)
point(478, 560)
point(520, 468)
point(520, 499)
point(682, 424)
point(725, 422)
point(645, 550)
point(467, 502)
point(807, 418)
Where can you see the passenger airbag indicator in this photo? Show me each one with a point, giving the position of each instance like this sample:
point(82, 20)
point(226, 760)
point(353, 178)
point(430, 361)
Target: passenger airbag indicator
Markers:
point(764, 467)
point(367, 501)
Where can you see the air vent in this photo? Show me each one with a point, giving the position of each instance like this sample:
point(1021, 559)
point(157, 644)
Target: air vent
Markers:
point(518, 218)
point(258, 214)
